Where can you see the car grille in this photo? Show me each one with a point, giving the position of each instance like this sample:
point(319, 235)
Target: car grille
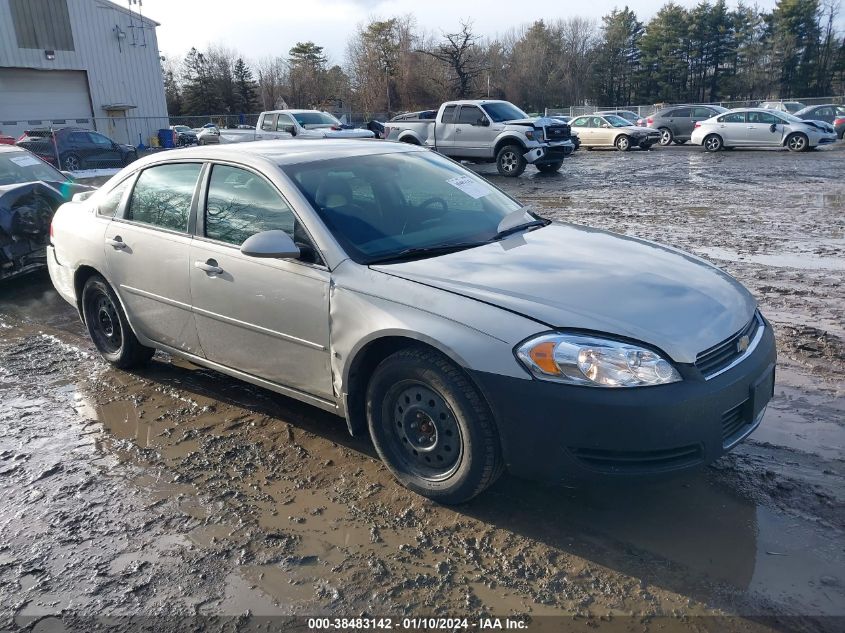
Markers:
point(557, 132)
point(638, 461)
point(712, 361)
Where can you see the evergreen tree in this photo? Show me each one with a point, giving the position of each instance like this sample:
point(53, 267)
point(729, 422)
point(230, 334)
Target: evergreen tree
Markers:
point(245, 87)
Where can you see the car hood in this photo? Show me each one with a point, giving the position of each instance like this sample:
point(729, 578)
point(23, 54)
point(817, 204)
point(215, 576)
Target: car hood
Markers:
point(346, 133)
point(568, 276)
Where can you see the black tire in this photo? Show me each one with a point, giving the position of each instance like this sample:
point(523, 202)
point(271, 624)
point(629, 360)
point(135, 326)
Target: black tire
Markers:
point(510, 161)
point(622, 143)
point(797, 142)
point(71, 162)
point(410, 140)
point(666, 136)
point(130, 157)
point(453, 454)
point(678, 141)
point(108, 327)
point(646, 146)
point(550, 168)
point(713, 143)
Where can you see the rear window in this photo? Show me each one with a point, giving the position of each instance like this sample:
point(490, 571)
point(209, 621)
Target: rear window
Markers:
point(162, 196)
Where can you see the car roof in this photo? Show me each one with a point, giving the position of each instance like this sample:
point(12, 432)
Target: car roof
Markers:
point(8, 149)
point(282, 152)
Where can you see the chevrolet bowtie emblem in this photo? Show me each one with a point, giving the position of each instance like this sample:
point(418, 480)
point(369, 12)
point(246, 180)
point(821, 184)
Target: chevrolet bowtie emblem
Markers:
point(742, 343)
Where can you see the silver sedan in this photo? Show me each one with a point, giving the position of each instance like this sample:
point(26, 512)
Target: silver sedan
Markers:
point(760, 127)
point(385, 283)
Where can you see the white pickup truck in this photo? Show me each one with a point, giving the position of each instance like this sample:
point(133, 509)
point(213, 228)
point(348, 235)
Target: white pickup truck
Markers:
point(487, 131)
point(281, 124)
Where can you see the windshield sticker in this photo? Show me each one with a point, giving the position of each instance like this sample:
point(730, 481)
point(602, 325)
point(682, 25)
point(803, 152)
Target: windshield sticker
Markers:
point(24, 161)
point(471, 187)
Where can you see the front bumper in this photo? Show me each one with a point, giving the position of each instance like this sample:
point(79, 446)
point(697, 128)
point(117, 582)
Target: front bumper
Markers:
point(553, 432)
point(549, 152)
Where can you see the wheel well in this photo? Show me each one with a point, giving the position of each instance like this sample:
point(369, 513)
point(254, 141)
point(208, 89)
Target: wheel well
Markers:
point(83, 274)
point(363, 365)
point(410, 140)
point(506, 141)
point(786, 138)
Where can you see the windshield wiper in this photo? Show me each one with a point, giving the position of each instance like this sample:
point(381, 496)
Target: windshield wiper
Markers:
point(424, 251)
point(511, 223)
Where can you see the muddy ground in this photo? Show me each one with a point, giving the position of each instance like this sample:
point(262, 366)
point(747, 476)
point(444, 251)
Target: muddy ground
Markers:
point(177, 492)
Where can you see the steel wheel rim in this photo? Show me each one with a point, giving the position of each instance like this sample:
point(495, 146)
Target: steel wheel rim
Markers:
point(509, 161)
point(423, 430)
point(665, 137)
point(105, 325)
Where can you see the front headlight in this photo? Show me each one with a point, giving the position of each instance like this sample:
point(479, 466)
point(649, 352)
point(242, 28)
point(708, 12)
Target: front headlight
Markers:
point(587, 360)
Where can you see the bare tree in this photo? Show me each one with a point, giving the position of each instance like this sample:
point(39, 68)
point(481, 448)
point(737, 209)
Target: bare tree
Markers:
point(272, 80)
point(461, 53)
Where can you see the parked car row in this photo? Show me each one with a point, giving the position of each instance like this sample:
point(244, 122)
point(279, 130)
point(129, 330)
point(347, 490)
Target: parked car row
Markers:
point(73, 149)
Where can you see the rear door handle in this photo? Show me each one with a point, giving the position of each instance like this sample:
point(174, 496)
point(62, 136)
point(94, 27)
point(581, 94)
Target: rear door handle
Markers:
point(116, 243)
point(209, 266)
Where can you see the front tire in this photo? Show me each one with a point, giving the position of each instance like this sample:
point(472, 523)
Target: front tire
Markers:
point(510, 161)
point(679, 142)
point(108, 327)
point(623, 143)
point(550, 168)
point(797, 142)
point(713, 143)
point(666, 136)
point(431, 426)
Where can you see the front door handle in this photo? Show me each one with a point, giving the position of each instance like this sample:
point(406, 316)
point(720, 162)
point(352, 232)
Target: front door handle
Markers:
point(209, 266)
point(116, 243)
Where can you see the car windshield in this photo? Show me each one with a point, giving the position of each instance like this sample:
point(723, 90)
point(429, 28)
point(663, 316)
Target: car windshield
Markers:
point(503, 111)
point(315, 119)
point(18, 167)
point(616, 121)
point(385, 205)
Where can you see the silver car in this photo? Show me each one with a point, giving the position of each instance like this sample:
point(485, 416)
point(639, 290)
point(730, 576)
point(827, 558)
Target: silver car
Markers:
point(392, 286)
point(612, 131)
point(760, 127)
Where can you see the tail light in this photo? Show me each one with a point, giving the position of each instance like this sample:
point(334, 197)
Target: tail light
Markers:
point(697, 124)
point(51, 232)
point(649, 121)
point(839, 121)
point(336, 128)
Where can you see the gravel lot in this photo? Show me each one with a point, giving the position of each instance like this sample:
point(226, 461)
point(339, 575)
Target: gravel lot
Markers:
point(177, 492)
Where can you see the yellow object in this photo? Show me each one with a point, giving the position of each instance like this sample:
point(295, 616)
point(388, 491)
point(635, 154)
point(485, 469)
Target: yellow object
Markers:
point(154, 141)
point(543, 355)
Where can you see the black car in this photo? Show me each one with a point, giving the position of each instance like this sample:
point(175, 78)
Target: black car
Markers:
point(30, 192)
point(185, 135)
point(72, 149)
point(829, 113)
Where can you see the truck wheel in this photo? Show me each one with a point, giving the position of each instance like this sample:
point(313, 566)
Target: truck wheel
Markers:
point(431, 427)
point(666, 136)
point(623, 143)
point(510, 161)
point(550, 168)
point(108, 327)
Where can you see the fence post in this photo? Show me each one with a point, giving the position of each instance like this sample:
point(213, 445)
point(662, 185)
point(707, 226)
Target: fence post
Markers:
point(56, 148)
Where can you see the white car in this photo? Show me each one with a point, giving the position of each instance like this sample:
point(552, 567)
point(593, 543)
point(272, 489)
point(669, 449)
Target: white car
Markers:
point(760, 127)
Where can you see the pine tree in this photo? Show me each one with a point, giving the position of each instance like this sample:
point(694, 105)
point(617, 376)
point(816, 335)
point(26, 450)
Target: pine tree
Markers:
point(245, 87)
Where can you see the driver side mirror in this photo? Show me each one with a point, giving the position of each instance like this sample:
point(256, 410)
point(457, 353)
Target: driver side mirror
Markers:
point(270, 245)
point(483, 121)
point(606, 125)
point(82, 196)
point(773, 127)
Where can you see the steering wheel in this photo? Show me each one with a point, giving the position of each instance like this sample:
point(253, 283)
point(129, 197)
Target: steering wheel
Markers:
point(418, 222)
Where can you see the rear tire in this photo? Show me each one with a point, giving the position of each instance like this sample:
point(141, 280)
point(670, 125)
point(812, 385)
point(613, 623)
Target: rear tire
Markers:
point(666, 136)
point(678, 142)
point(713, 143)
point(550, 168)
point(108, 327)
point(510, 161)
point(431, 426)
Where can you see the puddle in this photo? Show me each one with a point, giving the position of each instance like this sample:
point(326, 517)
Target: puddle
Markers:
point(805, 261)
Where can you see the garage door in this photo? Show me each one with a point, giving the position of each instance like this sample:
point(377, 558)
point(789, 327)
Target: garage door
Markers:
point(40, 98)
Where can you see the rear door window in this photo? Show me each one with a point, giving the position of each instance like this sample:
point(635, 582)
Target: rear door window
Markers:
point(449, 114)
point(268, 123)
point(702, 113)
point(733, 117)
point(680, 113)
point(581, 121)
point(162, 196)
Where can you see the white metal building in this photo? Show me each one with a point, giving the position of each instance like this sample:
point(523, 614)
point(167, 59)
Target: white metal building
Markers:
point(80, 63)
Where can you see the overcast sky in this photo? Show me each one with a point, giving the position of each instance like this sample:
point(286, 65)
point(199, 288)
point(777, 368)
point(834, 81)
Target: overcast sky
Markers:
point(261, 27)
